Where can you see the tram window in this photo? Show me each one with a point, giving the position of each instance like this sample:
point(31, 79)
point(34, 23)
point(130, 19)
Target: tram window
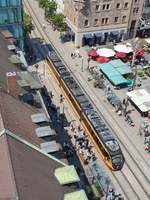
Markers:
point(102, 148)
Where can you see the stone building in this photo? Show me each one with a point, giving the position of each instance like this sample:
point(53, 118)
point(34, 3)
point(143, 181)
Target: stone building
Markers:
point(98, 21)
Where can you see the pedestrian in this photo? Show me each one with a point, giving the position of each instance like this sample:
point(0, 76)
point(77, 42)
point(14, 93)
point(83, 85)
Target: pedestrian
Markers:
point(120, 197)
point(72, 55)
point(88, 60)
point(44, 26)
point(77, 53)
point(51, 94)
point(61, 98)
point(79, 128)
point(72, 128)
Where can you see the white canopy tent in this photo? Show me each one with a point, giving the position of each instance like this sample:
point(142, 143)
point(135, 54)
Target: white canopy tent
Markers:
point(123, 48)
point(105, 52)
point(141, 98)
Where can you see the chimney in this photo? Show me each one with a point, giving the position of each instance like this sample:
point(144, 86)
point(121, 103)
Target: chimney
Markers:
point(11, 83)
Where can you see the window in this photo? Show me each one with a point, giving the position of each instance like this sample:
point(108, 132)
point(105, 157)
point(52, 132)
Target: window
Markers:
point(124, 19)
point(118, 5)
point(105, 21)
point(95, 22)
point(135, 10)
point(126, 5)
point(97, 8)
point(106, 7)
point(86, 22)
point(116, 19)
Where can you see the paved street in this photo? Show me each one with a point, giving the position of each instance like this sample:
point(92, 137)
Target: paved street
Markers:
point(129, 136)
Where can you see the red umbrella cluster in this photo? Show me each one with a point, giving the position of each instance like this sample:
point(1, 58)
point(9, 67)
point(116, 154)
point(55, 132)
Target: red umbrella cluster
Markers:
point(102, 59)
point(120, 54)
point(139, 52)
point(93, 53)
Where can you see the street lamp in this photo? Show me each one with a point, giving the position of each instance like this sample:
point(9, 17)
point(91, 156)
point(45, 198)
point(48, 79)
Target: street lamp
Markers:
point(82, 63)
point(133, 61)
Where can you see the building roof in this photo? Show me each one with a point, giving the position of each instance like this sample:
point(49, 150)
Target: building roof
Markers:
point(16, 117)
point(79, 195)
point(5, 64)
point(26, 172)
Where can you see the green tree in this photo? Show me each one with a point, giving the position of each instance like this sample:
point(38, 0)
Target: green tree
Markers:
point(43, 3)
point(59, 21)
point(50, 9)
point(28, 26)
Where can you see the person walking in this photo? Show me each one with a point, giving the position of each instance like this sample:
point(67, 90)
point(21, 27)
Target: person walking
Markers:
point(61, 98)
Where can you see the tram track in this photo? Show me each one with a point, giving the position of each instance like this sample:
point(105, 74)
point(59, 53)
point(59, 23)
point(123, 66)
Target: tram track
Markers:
point(46, 38)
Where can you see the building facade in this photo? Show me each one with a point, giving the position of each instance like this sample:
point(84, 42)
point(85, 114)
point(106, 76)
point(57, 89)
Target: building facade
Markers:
point(144, 27)
point(11, 19)
point(99, 21)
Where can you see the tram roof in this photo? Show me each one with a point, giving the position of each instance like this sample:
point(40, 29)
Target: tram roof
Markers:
point(77, 92)
point(59, 64)
point(82, 99)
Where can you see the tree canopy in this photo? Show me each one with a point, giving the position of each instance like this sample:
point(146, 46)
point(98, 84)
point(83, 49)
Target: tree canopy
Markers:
point(28, 26)
point(50, 7)
point(58, 20)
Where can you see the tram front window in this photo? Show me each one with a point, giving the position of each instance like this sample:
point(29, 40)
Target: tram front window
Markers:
point(116, 160)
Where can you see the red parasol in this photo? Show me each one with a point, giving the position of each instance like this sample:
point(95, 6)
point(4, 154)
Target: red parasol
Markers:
point(93, 53)
point(102, 59)
point(120, 54)
point(139, 52)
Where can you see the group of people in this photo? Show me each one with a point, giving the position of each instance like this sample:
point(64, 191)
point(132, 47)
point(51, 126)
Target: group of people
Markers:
point(83, 145)
point(145, 130)
point(114, 195)
point(84, 148)
point(75, 54)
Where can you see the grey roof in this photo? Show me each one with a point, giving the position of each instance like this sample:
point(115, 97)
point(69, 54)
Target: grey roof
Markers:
point(30, 79)
point(44, 131)
point(49, 147)
point(38, 117)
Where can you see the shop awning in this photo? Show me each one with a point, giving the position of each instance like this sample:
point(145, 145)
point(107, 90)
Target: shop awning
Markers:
point(66, 175)
point(88, 36)
point(115, 32)
point(98, 34)
point(79, 195)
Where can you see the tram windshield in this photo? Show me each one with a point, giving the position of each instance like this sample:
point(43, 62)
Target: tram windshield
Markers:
point(116, 159)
